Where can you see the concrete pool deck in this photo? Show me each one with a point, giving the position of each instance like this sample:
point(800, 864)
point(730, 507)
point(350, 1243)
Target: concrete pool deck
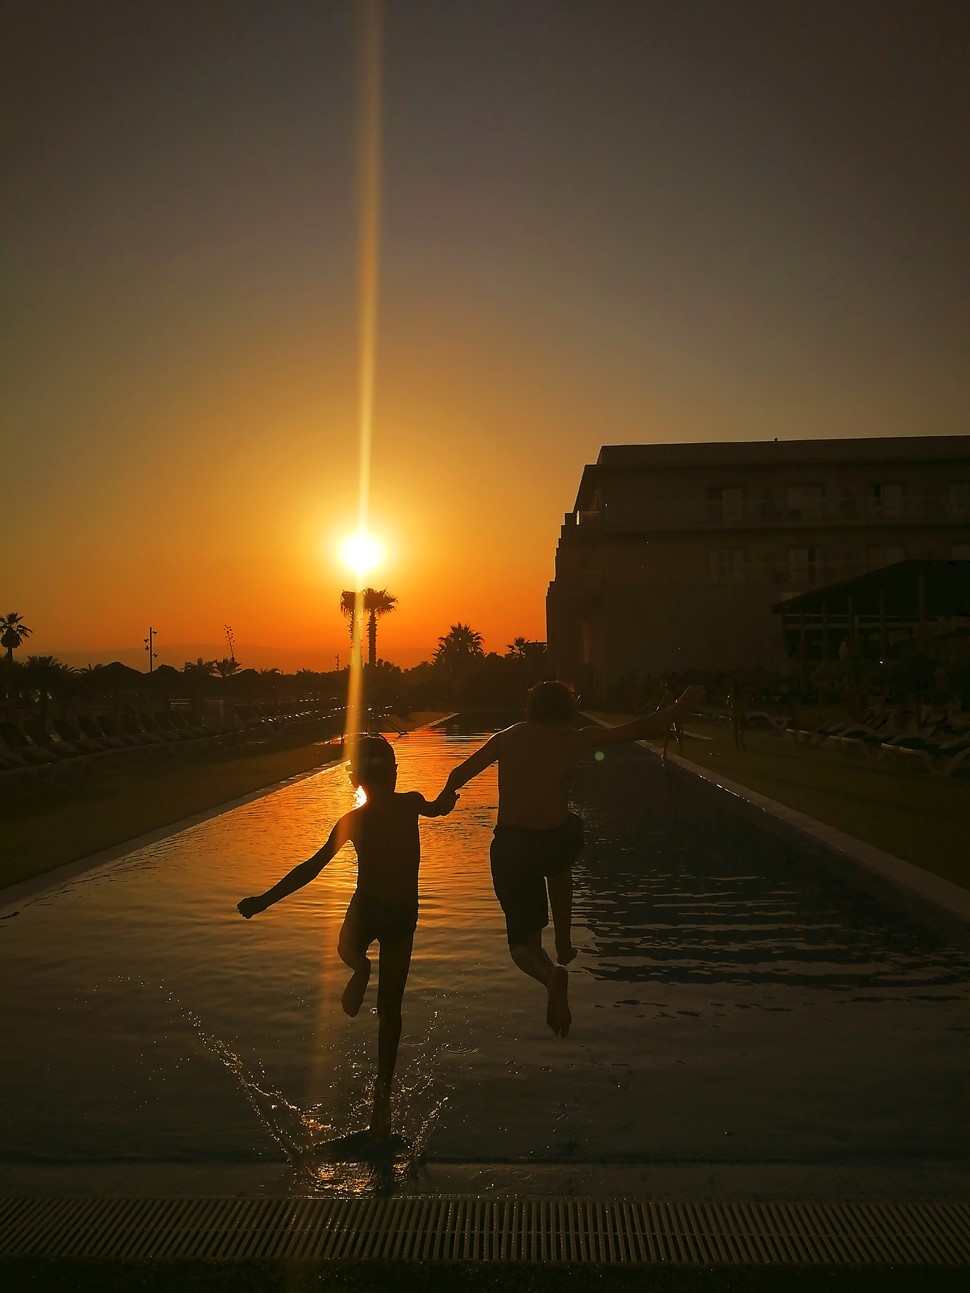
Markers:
point(874, 1181)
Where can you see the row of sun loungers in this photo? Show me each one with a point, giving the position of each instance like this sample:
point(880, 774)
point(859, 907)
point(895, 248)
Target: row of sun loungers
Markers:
point(33, 753)
point(940, 743)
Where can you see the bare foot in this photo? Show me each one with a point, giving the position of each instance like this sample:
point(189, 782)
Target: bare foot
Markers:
point(356, 987)
point(380, 1123)
point(558, 1016)
point(565, 952)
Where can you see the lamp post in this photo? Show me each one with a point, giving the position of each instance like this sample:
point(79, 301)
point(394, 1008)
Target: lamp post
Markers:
point(149, 647)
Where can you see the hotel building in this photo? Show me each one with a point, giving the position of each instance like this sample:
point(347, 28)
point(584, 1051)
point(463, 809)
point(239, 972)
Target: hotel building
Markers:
point(674, 554)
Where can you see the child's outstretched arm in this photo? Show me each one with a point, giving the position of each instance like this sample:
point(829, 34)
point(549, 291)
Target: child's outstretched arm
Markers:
point(647, 725)
point(300, 875)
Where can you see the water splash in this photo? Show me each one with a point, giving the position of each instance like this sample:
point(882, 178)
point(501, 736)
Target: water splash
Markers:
point(336, 1154)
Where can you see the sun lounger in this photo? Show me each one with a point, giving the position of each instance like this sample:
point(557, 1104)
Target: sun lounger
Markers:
point(48, 740)
point(90, 728)
point(147, 723)
point(10, 759)
point(86, 744)
point(22, 745)
point(761, 718)
point(951, 755)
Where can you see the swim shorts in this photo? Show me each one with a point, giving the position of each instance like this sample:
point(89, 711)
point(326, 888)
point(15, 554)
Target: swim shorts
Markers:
point(521, 861)
point(372, 919)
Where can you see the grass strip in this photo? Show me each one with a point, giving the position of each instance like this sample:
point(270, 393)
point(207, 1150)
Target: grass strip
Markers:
point(893, 806)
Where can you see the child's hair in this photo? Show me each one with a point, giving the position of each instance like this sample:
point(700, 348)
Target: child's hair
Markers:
point(550, 702)
point(373, 764)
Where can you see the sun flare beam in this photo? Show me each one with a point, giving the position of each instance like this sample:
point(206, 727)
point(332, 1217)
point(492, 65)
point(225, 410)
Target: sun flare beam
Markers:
point(361, 552)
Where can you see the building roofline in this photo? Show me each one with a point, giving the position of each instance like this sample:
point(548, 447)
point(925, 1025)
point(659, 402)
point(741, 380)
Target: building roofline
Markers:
point(766, 453)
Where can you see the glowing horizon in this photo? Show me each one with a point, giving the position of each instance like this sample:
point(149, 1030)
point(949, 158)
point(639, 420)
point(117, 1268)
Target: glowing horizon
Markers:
point(408, 268)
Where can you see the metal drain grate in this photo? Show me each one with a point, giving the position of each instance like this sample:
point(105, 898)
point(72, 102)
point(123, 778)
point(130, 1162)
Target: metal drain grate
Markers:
point(471, 1229)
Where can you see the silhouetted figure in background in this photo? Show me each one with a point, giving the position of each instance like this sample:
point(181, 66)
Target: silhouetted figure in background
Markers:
point(677, 726)
point(384, 908)
point(737, 707)
point(537, 839)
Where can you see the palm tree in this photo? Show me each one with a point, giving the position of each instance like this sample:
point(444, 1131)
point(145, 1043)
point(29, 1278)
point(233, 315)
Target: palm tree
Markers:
point(47, 677)
point(227, 666)
point(525, 651)
point(457, 653)
point(527, 660)
point(460, 643)
point(199, 669)
point(349, 607)
point(375, 602)
point(12, 632)
point(269, 680)
point(458, 648)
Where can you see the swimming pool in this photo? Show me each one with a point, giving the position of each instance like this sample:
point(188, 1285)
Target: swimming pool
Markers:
point(729, 1006)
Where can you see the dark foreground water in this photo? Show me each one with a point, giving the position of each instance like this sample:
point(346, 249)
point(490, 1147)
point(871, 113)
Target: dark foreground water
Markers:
point(728, 1006)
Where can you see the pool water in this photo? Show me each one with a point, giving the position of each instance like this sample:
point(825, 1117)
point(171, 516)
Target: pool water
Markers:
point(730, 1005)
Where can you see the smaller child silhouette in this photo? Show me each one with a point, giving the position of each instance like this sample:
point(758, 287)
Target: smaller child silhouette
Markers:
point(384, 908)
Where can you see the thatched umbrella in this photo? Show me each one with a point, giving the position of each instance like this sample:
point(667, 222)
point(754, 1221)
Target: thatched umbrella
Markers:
point(114, 678)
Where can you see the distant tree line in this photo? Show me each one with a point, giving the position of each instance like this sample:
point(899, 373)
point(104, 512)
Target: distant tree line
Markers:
point(460, 673)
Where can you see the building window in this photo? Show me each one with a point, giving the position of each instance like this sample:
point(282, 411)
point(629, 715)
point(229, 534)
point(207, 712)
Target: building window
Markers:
point(726, 565)
point(885, 500)
point(958, 497)
point(725, 503)
point(805, 501)
point(805, 565)
point(887, 555)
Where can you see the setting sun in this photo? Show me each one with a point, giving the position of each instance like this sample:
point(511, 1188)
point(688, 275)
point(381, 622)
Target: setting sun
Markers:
point(362, 553)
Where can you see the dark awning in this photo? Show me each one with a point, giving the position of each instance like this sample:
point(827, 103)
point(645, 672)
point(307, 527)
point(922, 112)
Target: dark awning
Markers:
point(945, 592)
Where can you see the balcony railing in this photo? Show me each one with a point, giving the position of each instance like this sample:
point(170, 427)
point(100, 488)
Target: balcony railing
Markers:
point(668, 514)
point(783, 578)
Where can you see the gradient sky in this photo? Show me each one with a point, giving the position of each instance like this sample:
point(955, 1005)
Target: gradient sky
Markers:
point(601, 222)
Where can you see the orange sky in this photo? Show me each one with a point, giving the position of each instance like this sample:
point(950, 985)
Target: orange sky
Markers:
point(693, 222)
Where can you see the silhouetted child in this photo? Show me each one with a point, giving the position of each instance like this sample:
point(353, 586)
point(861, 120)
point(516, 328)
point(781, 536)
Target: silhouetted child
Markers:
point(536, 838)
point(384, 908)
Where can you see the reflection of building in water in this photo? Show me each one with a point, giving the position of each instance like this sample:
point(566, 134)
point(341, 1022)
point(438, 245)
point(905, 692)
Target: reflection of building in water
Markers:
point(674, 554)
